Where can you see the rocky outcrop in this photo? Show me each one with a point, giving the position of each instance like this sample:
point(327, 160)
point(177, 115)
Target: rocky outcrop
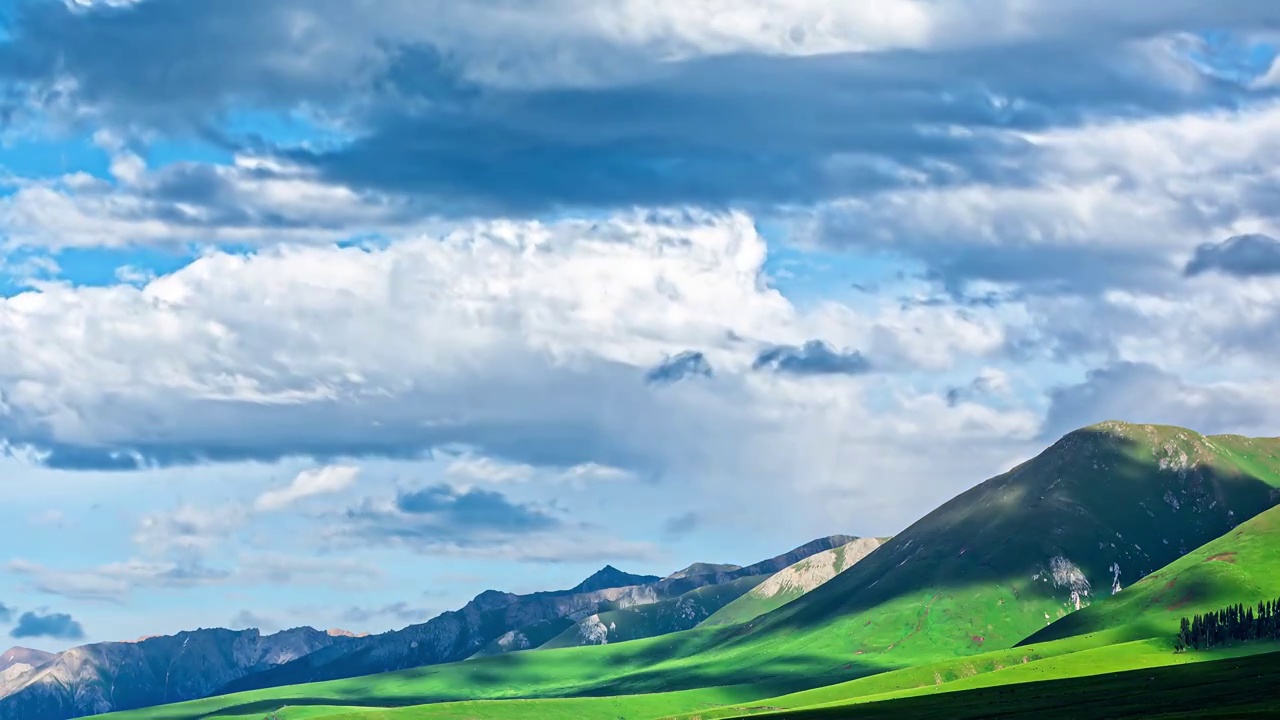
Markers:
point(105, 677)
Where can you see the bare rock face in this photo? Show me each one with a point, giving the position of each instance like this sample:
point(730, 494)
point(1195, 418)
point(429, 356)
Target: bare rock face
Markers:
point(23, 656)
point(106, 677)
point(816, 569)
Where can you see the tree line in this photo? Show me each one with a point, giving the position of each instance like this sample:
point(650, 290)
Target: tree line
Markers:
point(1234, 623)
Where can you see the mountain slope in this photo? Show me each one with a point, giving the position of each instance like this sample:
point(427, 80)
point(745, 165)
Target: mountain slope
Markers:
point(793, 581)
point(1241, 567)
point(121, 675)
point(660, 618)
point(497, 622)
point(23, 656)
point(1102, 505)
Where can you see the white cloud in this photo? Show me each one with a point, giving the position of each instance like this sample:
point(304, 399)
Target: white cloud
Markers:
point(468, 469)
point(308, 483)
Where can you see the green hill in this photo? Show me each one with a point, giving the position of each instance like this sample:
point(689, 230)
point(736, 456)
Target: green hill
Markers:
point(792, 582)
point(1102, 506)
point(1241, 567)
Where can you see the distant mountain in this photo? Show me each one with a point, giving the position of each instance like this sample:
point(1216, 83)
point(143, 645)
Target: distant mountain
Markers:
point(104, 677)
point(610, 577)
point(793, 581)
point(23, 656)
point(496, 622)
point(701, 568)
point(18, 660)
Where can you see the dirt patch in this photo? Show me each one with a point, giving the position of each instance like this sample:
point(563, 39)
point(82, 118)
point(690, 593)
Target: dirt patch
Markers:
point(1226, 557)
point(978, 639)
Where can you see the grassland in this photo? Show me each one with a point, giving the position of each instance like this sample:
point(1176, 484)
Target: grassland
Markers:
point(948, 600)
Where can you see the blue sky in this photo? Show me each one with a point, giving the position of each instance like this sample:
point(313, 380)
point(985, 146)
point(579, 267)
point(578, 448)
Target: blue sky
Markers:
point(321, 316)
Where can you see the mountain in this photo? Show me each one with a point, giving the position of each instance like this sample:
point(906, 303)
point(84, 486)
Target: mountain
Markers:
point(1239, 568)
point(494, 623)
point(23, 656)
point(610, 577)
point(701, 568)
point(111, 676)
point(1098, 510)
point(17, 661)
point(665, 616)
point(1103, 506)
point(793, 581)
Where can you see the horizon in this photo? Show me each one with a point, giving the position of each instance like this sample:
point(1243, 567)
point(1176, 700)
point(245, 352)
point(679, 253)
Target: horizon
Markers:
point(313, 316)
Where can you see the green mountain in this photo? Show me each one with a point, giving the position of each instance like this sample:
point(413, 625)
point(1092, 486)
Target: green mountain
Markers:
point(792, 582)
point(1241, 567)
point(954, 593)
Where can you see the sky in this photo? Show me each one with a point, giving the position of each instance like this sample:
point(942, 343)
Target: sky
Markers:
point(334, 313)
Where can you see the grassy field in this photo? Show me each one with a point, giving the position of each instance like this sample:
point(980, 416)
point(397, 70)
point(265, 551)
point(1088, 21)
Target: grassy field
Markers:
point(949, 598)
point(1238, 687)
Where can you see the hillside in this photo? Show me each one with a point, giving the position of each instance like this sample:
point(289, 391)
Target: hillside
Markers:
point(668, 616)
point(793, 581)
point(1102, 506)
point(1241, 567)
point(120, 675)
point(494, 622)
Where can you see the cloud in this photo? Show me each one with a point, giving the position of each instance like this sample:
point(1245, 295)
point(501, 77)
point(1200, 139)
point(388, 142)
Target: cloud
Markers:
point(1240, 256)
point(1143, 393)
point(439, 107)
point(487, 470)
point(188, 531)
point(53, 625)
point(992, 381)
point(246, 619)
point(681, 525)
point(113, 582)
point(440, 512)
point(308, 483)
point(815, 357)
point(6, 613)
point(689, 363)
point(444, 521)
point(400, 612)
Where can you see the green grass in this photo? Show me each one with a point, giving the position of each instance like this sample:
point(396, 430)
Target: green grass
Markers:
point(958, 590)
point(1232, 687)
point(1242, 566)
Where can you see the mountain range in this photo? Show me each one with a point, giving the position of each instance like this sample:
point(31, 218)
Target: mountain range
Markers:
point(1077, 561)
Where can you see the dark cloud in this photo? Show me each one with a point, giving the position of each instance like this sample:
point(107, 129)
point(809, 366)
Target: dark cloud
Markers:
point(246, 619)
point(441, 514)
point(815, 357)
point(54, 625)
point(6, 613)
point(679, 526)
point(474, 509)
point(1143, 393)
point(1241, 256)
point(725, 130)
point(678, 367)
